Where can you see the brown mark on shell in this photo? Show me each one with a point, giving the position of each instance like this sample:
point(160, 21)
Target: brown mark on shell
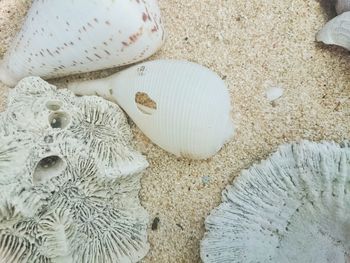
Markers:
point(148, 15)
point(144, 17)
point(133, 38)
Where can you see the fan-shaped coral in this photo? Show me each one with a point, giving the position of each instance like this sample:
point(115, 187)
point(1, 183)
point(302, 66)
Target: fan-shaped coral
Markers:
point(69, 180)
point(293, 207)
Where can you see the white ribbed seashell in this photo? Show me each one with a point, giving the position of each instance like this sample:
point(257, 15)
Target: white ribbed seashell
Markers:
point(342, 6)
point(189, 106)
point(60, 38)
point(336, 31)
point(69, 180)
point(293, 207)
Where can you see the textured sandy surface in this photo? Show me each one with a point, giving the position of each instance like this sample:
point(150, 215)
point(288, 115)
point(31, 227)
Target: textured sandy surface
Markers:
point(253, 45)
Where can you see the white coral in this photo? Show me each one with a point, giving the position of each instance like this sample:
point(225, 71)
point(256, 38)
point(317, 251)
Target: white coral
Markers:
point(69, 179)
point(293, 207)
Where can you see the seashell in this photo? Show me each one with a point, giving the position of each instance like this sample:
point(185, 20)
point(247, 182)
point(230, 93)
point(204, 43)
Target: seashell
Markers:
point(185, 108)
point(91, 35)
point(274, 93)
point(69, 187)
point(293, 207)
point(342, 6)
point(336, 31)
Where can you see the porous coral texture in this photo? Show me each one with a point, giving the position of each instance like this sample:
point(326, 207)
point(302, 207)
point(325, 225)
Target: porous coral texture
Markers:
point(69, 179)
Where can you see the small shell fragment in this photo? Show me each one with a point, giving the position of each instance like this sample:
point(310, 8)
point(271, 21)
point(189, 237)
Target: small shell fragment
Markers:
point(336, 31)
point(274, 93)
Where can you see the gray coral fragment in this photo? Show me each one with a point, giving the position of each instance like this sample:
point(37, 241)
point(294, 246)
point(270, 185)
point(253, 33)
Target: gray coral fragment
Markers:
point(293, 207)
point(69, 179)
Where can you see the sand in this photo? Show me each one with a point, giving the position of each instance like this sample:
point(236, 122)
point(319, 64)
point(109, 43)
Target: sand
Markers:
point(253, 45)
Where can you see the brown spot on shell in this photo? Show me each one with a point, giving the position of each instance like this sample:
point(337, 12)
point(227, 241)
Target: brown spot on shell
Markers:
point(134, 37)
point(144, 17)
